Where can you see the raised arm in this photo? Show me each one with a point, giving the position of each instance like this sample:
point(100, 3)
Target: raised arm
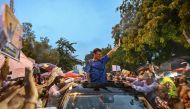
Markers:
point(30, 90)
point(63, 89)
point(113, 50)
point(187, 38)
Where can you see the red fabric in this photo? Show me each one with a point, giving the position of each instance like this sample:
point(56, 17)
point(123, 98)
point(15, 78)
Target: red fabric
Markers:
point(179, 70)
point(71, 74)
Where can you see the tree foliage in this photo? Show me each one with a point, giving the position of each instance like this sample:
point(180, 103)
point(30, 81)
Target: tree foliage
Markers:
point(66, 58)
point(42, 52)
point(151, 30)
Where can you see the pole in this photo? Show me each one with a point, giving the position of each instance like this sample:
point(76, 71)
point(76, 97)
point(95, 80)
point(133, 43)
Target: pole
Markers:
point(12, 5)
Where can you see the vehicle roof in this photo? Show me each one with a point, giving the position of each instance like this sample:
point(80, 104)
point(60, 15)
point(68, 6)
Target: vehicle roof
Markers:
point(109, 89)
point(81, 88)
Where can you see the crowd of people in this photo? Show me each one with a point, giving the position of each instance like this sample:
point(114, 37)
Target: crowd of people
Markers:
point(37, 91)
point(33, 91)
point(162, 90)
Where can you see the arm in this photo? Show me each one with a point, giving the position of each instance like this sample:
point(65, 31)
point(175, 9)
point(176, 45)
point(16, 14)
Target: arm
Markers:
point(141, 89)
point(88, 77)
point(30, 90)
point(187, 38)
point(4, 70)
point(62, 90)
point(7, 97)
point(130, 79)
point(113, 50)
point(87, 70)
point(138, 83)
point(145, 88)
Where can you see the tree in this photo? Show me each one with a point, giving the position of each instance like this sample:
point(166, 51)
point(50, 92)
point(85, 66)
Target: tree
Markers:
point(66, 51)
point(40, 51)
point(28, 40)
point(152, 30)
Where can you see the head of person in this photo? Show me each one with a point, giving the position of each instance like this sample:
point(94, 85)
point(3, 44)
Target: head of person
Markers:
point(97, 53)
point(148, 77)
point(160, 90)
point(186, 97)
point(59, 81)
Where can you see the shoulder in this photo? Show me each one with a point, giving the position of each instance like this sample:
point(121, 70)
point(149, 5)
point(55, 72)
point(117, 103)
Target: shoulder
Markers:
point(105, 57)
point(90, 61)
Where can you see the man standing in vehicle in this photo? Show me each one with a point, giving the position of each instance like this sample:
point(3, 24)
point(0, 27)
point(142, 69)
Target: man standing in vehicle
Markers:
point(95, 67)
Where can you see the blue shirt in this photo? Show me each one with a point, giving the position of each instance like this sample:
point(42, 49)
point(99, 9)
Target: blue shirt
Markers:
point(97, 70)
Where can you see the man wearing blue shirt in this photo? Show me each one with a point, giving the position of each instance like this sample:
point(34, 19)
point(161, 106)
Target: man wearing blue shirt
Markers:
point(96, 66)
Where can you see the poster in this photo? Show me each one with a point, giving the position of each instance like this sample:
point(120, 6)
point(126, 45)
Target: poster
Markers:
point(116, 68)
point(10, 34)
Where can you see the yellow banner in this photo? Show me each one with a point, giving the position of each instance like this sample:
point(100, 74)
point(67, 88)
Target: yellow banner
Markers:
point(12, 27)
point(10, 34)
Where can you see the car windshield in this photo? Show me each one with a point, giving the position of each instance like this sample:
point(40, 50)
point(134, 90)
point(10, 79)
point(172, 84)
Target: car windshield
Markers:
point(103, 102)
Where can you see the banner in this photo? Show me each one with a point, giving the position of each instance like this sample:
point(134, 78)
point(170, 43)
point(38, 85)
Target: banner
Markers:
point(10, 34)
point(116, 68)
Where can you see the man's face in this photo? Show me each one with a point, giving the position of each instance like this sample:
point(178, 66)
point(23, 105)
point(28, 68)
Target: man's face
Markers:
point(61, 83)
point(149, 81)
point(97, 55)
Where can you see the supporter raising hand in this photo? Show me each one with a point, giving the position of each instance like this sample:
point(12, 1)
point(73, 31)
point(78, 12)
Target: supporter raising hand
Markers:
point(7, 97)
point(30, 90)
point(4, 71)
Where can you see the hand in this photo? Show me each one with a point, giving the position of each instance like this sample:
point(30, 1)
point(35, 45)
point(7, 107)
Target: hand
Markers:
point(127, 84)
point(6, 98)
point(119, 44)
point(186, 36)
point(140, 77)
point(30, 87)
point(52, 77)
point(109, 54)
point(184, 33)
point(4, 70)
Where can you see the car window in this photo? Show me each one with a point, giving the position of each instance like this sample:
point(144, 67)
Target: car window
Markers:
point(103, 102)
